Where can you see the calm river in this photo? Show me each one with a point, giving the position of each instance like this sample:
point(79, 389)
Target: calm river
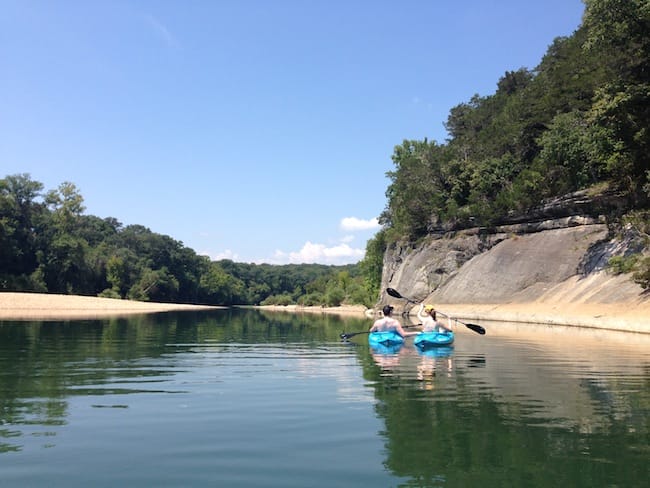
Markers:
point(242, 398)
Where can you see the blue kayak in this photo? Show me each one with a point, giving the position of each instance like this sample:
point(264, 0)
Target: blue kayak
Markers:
point(425, 340)
point(385, 339)
point(436, 351)
point(389, 350)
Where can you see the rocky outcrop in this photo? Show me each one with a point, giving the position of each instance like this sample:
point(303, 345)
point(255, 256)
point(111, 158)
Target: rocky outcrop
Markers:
point(548, 261)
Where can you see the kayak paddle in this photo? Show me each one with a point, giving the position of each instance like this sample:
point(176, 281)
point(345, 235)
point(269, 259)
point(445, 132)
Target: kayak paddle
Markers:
point(476, 328)
point(346, 335)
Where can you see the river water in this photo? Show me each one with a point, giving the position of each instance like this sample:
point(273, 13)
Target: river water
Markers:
point(243, 398)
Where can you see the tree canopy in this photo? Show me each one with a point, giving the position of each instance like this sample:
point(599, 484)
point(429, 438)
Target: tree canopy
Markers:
point(579, 119)
point(48, 244)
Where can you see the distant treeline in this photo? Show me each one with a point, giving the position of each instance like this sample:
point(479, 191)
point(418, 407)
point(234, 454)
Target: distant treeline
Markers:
point(579, 121)
point(47, 244)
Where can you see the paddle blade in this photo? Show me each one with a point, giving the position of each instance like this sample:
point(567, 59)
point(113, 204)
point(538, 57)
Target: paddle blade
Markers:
point(393, 292)
point(476, 328)
point(346, 335)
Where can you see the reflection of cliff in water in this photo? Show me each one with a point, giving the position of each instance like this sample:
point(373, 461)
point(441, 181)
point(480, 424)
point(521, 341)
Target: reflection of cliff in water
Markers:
point(572, 378)
point(515, 398)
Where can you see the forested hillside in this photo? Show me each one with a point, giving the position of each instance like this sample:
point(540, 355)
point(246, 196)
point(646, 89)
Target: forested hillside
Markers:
point(47, 244)
point(579, 120)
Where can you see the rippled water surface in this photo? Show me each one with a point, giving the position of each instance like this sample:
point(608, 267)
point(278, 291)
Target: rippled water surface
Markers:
point(245, 398)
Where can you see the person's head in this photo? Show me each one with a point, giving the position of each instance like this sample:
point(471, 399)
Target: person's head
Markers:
point(387, 310)
point(430, 310)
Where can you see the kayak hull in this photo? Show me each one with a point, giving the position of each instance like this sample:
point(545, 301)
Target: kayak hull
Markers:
point(386, 350)
point(436, 351)
point(385, 339)
point(425, 340)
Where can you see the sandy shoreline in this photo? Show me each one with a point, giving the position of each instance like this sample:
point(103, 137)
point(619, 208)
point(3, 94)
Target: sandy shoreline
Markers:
point(41, 306)
point(628, 316)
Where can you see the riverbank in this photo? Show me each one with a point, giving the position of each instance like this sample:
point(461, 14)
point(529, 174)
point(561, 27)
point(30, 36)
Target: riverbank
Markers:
point(624, 316)
point(42, 306)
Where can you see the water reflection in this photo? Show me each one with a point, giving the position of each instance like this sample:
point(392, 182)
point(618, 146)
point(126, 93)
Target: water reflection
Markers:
point(43, 365)
point(399, 359)
point(520, 406)
point(535, 402)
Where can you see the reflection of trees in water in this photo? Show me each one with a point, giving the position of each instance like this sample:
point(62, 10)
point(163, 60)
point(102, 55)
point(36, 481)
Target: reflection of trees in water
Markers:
point(44, 363)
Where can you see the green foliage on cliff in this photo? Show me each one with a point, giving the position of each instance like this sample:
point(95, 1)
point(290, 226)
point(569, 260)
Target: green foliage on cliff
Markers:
point(580, 118)
point(636, 225)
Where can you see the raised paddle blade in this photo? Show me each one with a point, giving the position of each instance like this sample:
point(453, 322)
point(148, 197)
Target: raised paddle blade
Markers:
point(393, 292)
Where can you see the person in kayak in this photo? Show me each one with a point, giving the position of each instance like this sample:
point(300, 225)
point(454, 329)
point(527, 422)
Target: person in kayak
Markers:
point(427, 315)
point(389, 324)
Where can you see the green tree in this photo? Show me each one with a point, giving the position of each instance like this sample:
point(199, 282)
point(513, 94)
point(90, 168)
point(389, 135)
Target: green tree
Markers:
point(121, 271)
point(618, 34)
point(568, 153)
point(63, 256)
point(20, 213)
point(219, 287)
point(419, 188)
point(155, 285)
point(64, 265)
point(372, 264)
point(66, 204)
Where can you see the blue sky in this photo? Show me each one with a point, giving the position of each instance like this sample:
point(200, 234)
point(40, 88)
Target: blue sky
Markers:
point(254, 130)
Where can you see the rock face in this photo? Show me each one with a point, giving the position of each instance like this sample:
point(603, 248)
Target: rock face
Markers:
point(556, 259)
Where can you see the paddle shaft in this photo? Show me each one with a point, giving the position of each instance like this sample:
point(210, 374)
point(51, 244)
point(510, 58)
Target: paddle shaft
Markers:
point(476, 328)
point(347, 335)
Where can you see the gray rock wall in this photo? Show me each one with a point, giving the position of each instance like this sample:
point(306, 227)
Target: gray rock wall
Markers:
point(511, 264)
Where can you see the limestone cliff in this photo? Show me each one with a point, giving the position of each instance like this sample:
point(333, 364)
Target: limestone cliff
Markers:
point(553, 261)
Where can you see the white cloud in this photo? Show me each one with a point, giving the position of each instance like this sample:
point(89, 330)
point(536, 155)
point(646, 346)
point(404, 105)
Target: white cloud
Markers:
point(320, 253)
point(353, 223)
point(227, 254)
point(339, 252)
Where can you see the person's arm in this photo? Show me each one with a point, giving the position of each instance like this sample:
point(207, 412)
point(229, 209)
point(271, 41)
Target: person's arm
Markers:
point(402, 332)
point(444, 327)
point(448, 326)
point(421, 316)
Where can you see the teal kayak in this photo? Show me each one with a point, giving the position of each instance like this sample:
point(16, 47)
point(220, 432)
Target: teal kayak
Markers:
point(426, 340)
point(389, 350)
point(385, 339)
point(436, 351)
